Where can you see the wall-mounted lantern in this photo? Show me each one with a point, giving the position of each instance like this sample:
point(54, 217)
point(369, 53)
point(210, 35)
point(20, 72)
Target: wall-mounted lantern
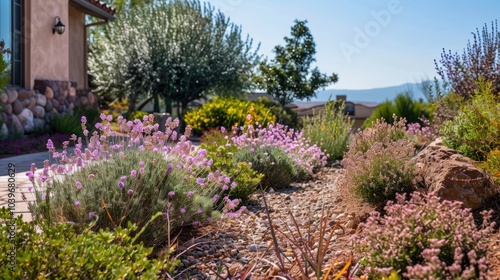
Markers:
point(58, 26)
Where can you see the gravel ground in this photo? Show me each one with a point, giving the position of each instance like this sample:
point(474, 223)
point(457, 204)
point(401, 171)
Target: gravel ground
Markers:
point(230, 246)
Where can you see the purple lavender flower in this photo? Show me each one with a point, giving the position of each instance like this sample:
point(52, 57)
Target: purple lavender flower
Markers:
point(169, 169)
point(171, 194)
point(130, 191)
point(123, 178)
point(79, 185)
point(121, 185)
point(190, 194)
point(77, 203)
point(133, 173)
point(141, 163)
point(83, 120)
point(50, 146)
point(141, 171)
point(183, 210)
point(91, 215)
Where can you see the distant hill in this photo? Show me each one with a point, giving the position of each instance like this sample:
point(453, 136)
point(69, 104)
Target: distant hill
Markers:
point(377, 95)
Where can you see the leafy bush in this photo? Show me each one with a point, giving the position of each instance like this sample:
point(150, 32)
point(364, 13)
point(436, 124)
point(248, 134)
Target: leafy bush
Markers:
point(424, 238)
point(475, 130)
point(376, 165)
point(278, 168)
point(4, 66)
point(246, 179)
point(227, 112)
point(285, 116)
point(402, 106)
point(492, 164)
point(131, 178)
point(60, 253)
point(66, 124)
point(330, 129)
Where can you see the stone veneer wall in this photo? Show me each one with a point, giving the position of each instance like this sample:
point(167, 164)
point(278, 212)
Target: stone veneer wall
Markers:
point(27, 110)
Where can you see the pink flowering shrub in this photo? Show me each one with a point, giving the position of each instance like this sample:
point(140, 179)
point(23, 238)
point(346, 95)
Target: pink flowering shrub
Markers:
point(116, 180)
point(306, 156)
point(377, 163)
point(424, 238)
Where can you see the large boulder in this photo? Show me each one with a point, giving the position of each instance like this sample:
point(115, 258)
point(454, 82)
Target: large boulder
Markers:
point(17, 107)
point(26, 119)
point(3, 97)
point(15, 125)
point(11, 95)
point(41, 99)
point(452, 176)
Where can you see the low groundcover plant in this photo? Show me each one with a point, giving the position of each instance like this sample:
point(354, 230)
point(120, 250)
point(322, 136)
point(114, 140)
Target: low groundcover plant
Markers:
point(424, 238)
point(116, 180)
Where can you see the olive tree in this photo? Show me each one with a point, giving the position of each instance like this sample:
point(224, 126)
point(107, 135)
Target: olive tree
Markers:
point(176, 50)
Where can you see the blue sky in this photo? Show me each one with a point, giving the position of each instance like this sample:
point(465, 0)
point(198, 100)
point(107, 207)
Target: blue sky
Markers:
point(369, 44)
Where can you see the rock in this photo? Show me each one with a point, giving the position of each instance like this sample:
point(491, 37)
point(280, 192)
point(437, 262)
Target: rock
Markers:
point(3, 97)
point(452, 176)
point(84, 100)
point(12, 95)
point(4, 132)
point(39, 124)
point(39, 111)
point(55, 103)
point(26, 119)
point(49, 94)
point(65, 93)
point(72, 91)
point(32, 103)
point(17, 107)
point(24, 94)
point(25, 102)
point(91, 98)
point(41, 100)
point(48, 106)
point(16, 126)
point(7, 108)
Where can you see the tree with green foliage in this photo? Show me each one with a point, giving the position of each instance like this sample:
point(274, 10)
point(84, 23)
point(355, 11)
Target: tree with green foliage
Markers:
point(4, 66)
point(176, 50)
point(402, 106)
point(289, 76)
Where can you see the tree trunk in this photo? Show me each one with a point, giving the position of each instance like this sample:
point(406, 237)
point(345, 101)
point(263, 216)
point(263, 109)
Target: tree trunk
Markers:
point(156, 105)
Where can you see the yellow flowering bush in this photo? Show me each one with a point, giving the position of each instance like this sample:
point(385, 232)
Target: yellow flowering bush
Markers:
point(227, 112)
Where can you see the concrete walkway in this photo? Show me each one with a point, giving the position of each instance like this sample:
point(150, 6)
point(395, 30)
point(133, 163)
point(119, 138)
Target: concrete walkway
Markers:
point(19, 166)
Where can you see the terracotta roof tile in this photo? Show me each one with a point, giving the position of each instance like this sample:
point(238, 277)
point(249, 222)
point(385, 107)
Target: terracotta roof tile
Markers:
point(103, 6)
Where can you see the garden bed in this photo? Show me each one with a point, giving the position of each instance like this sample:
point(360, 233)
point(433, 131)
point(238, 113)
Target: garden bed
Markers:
point(230, 246)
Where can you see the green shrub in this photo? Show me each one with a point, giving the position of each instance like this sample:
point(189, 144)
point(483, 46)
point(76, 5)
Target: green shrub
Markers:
point(247, 179)
point(278, 168)
point(138, 115)
point(475, 130)
point(4, 66)
point(108, 190)
point(377, 164)
point(402, 106)
point(66, 124)
point(285, 116)
point(424, 238)
point(227, 112)
point(330, 129)
point(58, 252)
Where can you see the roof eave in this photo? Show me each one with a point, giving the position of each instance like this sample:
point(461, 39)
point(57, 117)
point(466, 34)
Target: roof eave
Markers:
point(93, 10)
